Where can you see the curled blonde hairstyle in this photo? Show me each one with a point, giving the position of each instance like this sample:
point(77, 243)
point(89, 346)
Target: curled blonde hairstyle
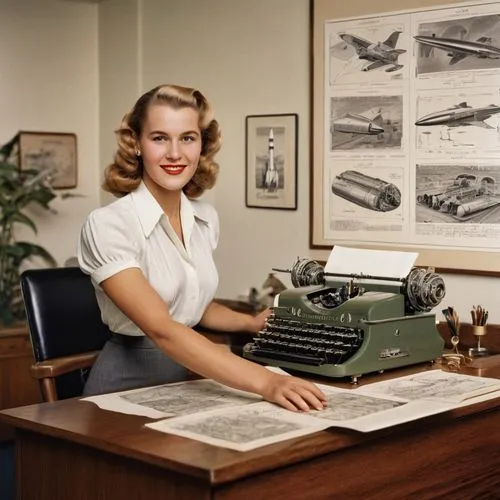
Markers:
point(124, 174)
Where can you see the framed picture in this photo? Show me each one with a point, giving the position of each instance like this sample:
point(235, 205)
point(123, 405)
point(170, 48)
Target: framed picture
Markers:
point(271, 161)
point(401, 157)
point(53, 152)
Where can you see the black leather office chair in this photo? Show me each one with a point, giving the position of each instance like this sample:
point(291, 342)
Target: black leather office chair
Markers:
point(65, 327)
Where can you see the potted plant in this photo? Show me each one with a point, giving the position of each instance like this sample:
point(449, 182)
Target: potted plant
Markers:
point(18, 190)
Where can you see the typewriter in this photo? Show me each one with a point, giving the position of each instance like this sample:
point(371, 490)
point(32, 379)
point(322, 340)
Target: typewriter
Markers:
point(338, 325)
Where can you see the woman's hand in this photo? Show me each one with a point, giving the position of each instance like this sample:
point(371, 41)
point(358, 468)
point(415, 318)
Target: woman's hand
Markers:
point(293, 393)
point(258, 322)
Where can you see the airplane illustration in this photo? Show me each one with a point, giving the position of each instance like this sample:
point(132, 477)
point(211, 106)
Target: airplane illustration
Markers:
point(458, 49)
point(460, 115)
point(380, 53)
point(369, 123)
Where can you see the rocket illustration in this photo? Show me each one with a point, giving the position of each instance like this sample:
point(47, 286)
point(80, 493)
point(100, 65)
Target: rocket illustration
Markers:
point(271, 178)
point(270, 148)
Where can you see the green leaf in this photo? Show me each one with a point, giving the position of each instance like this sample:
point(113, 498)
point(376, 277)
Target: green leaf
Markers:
point(23, 219)
point(8, 170)
point(22, 250)
point(6, 149)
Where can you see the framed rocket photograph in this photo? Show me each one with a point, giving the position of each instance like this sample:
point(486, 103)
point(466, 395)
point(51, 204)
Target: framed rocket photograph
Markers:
point(271, 161)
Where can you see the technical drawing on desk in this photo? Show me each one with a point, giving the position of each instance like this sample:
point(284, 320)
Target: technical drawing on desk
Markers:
point(366, 122)
point(195, 396)
point(261, 424)
point(459, 44)
point(457, 193)
point(350, 405)
point(434, 384)
point(174, 399)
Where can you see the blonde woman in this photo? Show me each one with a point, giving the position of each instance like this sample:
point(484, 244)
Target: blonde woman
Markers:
point(149, 255)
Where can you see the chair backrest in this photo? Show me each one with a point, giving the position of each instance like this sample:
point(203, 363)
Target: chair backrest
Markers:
point(64, 319)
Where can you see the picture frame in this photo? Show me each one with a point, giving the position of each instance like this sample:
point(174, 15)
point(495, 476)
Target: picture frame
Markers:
point(55, 152)
point(440, 243)
point(271, 161)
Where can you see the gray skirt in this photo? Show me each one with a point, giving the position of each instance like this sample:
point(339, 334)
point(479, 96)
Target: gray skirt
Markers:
point(127, 362)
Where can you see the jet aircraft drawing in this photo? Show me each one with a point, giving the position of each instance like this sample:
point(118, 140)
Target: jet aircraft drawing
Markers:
point(460, 115)
point(379, 54)
point(458, 49)
point(369, 123)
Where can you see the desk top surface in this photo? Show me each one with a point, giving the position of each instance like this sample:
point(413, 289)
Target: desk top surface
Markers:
point(84, 423)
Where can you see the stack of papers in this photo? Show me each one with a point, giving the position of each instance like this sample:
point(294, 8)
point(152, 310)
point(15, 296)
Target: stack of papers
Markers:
point(215, 414)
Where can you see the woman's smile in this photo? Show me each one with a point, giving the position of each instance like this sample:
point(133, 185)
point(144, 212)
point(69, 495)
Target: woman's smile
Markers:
point(173, 169)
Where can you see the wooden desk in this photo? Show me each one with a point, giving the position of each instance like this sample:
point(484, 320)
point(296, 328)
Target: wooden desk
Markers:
point(17, 388)
point(72, 449)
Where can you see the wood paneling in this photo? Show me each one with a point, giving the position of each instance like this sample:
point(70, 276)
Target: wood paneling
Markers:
point(17, 387)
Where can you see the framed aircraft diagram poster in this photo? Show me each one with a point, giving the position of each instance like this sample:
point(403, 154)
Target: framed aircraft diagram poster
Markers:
point(406, 131)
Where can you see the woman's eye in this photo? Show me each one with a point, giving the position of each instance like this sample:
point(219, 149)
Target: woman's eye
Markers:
point(159, 138)
point(189, 138)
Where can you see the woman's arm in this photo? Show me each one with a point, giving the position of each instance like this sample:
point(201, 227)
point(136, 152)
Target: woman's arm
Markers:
point(132, 293)
point(219, 317)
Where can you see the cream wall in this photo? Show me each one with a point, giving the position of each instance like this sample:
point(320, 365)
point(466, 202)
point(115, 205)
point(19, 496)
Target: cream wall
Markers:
point(120, 70)
point(77, 67)
point(49, 82)
point(249, 58)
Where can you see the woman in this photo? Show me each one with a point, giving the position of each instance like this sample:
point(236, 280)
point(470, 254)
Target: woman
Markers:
point(149, 255)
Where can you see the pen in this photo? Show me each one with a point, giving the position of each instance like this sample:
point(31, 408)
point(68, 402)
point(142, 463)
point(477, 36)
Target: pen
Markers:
point(479, 316)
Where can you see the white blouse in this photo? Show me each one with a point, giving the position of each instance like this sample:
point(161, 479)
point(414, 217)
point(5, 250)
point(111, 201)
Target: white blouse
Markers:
point(133, 231)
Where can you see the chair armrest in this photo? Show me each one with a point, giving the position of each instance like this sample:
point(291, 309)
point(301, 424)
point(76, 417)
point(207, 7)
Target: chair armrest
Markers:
point(55, 367)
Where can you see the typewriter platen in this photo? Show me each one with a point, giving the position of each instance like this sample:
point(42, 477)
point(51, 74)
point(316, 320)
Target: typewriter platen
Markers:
point(346, 326)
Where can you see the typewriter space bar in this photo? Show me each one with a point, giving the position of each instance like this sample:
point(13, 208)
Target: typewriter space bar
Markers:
point(289, 356)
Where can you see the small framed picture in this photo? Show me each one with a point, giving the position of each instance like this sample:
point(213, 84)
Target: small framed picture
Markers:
point(52, 152)
point(271, 161)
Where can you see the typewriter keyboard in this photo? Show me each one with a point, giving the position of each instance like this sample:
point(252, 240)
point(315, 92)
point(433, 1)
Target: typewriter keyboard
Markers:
point(307, 343)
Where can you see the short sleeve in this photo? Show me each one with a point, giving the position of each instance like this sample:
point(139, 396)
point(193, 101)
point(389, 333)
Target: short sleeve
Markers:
point(107, 245)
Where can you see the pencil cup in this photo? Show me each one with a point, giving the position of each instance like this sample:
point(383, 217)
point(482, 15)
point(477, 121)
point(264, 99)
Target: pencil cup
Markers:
point(478, 331)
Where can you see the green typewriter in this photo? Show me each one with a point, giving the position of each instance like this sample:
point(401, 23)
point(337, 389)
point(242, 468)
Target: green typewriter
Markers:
point(337, 325)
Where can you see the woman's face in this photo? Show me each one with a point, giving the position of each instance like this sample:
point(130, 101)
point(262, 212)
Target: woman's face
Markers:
point(170, 145)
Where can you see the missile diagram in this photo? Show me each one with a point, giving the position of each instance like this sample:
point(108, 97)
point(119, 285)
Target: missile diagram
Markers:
point(458, 49)
point(460, 115)
point(365, 191)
